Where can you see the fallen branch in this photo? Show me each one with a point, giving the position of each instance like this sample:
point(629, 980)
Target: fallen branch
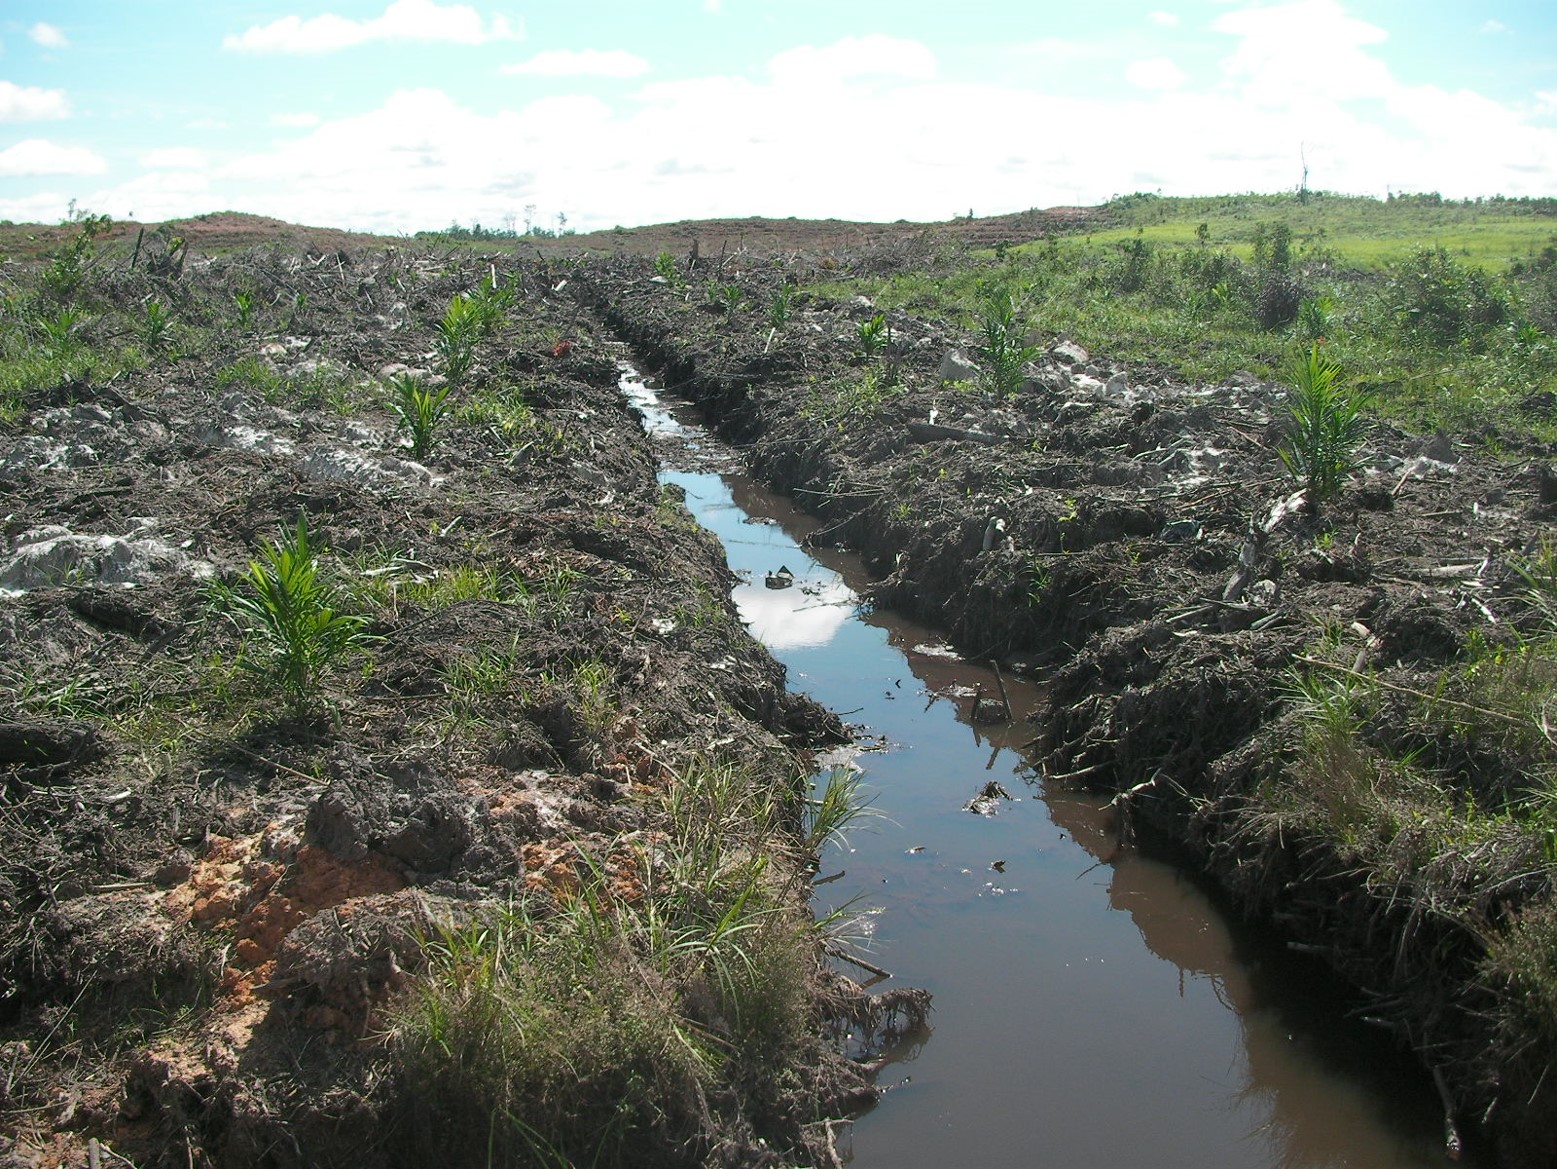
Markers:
point(1096, 767)
point(868, 967)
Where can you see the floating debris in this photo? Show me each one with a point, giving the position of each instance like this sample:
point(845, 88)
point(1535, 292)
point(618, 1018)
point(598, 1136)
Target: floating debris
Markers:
point(987, 802)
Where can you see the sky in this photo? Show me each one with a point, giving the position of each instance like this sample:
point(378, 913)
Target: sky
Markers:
point(396, 116)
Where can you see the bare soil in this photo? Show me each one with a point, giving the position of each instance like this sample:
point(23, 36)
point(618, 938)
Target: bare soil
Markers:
point(224, 232)
point(207, 904)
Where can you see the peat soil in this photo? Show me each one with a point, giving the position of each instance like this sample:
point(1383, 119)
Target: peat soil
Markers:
point(1134, 543)
point(208, 904)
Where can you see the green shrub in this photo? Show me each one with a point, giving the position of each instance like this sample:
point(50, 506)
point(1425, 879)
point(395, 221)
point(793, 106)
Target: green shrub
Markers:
point(1272, 247)
point(1443, 303)
point(62, 279)
point(1137, 265)
point(1278, 301)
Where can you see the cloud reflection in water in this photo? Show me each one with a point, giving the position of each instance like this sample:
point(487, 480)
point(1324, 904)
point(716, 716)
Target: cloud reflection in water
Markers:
point(808, 614)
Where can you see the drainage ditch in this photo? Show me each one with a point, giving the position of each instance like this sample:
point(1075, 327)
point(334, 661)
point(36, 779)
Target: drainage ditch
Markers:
point(1093, 1004)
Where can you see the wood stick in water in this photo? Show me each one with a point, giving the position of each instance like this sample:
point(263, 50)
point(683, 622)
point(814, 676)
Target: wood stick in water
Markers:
point(868, 967)
point(1000, 679)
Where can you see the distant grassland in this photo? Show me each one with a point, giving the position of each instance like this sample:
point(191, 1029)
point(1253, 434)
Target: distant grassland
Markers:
point(1366, 233)
point(1445, 312)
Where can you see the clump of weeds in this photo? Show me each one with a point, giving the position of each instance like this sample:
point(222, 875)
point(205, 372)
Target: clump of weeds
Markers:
point(602, 1025)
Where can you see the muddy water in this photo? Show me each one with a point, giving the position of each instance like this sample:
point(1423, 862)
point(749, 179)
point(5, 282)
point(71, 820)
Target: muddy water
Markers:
point(1092, 1005)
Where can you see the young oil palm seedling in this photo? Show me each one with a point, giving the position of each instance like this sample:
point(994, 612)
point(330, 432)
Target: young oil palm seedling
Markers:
point(1324, 426)
point(665, 268)
point(731, 298)
point(873, 336)
point(420, 408)
point(245, 302)
point(1316, 317)
point(458, 331)
point(780, 309)
point(61, 332)
point(1003, 344)
point(156, 321)
point(490, 304)
point(294, 630)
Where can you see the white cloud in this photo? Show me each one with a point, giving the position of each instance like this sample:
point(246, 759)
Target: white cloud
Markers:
point(175, 158)
point(34, 156)
point(725, 145)
point(44, 207)
point(1053, 51)
point(163, 194)
point(581, 63)
point(1155, 73)
point(436, 156)
point(303, 121)
point(1494, 26)
point(29, 103)
point(1303, 54)
point(1307, 73)
point(714, 6)
point(1164, 19)
point(874, 55)
point(403, 20)
point(49, 36)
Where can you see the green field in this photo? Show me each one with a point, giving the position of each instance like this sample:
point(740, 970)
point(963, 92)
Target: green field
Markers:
point(1366, 233)
point(1445, 312)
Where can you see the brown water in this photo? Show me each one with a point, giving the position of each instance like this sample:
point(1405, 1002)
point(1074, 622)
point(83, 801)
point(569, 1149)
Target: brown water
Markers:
point(1093, 1006)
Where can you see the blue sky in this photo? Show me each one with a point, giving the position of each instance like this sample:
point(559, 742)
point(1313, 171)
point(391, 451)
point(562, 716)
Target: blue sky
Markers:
point(399, 115)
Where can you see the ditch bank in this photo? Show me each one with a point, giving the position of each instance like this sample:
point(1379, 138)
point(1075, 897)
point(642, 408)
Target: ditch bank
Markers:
point(237, 930)
point(1255, 682)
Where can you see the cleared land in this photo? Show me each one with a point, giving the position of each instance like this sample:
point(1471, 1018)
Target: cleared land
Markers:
point(1337, 702)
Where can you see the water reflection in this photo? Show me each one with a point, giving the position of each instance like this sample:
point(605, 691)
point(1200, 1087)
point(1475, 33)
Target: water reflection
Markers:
point(810, 612)
point(1093, 1006)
